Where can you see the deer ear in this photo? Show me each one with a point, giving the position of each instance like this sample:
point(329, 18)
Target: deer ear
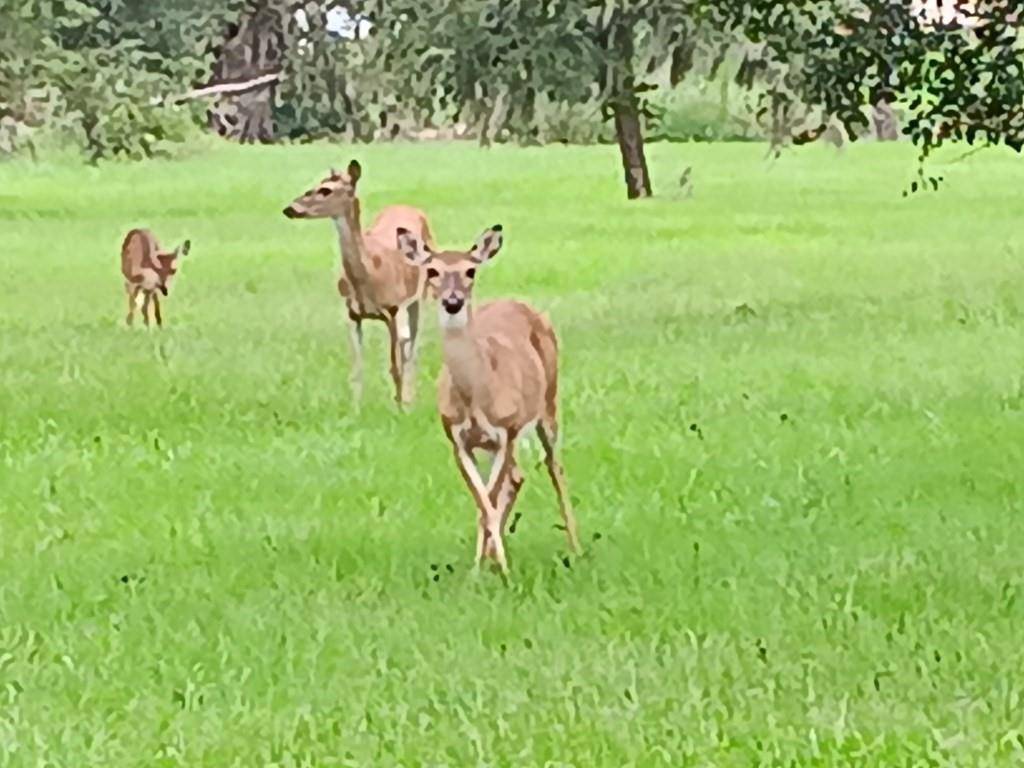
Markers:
point(411, 248)
point(355, 170)
point(487, 245)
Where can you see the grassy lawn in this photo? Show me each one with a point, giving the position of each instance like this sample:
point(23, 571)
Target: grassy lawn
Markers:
point(793, 419)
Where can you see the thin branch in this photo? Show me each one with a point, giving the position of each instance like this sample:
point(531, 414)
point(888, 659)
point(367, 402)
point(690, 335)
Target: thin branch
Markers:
point(968, 153)
point(222, 88)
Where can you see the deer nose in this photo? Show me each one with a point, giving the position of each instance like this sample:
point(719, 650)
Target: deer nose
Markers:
point(452, 304)
point(290, 212)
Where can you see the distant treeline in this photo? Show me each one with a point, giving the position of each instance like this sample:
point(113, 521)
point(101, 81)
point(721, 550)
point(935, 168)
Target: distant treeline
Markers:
point(120, 77)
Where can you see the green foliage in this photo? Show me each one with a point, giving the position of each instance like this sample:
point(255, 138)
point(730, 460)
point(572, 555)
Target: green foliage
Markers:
point(793, 428)
point(493, 64)
point(428, 64)
point(107, 97)
point(705, 108)
point(320, 95)
point(955, 79)
point(500, 65)
point(537, 72)
point(98, 72)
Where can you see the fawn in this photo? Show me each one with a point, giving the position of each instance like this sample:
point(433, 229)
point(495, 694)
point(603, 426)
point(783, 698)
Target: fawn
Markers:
point(376, 282)
point(148, 270)
point(500, 378)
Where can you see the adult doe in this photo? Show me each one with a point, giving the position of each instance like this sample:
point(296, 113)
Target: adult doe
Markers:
point(376, 282)
point(500, 378)
point(148, 271)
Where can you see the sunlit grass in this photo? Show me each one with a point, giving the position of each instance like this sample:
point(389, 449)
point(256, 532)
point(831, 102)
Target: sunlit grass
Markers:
point(793, 428)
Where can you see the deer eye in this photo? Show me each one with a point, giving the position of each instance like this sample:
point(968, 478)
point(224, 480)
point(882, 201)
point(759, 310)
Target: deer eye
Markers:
point(432, 273)
point(323, 191)
point(471, 273)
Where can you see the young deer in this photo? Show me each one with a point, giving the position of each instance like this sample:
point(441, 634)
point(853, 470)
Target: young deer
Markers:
point(500, 378)
point(376, 283)
point(147, 270)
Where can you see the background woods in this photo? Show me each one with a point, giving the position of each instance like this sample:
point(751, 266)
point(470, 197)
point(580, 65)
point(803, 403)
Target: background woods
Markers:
point(574, 71)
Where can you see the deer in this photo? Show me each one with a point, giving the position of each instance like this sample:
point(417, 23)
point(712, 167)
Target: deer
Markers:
point(148, 270)
point(376, 282)
point(499, 381)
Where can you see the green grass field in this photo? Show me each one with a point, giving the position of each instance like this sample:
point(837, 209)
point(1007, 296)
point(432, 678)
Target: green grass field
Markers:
point(803, 523)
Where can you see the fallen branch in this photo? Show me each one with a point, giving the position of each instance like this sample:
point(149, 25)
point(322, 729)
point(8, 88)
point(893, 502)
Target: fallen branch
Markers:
point(229, 88)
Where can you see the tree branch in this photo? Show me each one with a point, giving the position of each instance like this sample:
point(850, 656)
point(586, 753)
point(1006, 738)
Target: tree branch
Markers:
point(233, 88)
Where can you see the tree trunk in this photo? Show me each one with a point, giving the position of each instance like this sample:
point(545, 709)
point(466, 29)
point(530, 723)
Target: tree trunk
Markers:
point(625, 104)
point(886, 123)
point(631, 146)
point(883, 116)
point(252, 48)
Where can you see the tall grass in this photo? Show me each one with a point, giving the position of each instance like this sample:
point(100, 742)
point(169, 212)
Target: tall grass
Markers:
point(794, 419)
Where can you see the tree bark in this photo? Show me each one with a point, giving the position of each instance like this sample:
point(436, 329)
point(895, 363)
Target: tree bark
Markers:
point(252, 49)
point(886, 123)
point(631, 146)
point(883, 116)
point(625, 104)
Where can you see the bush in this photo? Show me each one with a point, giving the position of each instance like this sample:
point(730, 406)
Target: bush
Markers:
point(703, 110)
point(95, 74)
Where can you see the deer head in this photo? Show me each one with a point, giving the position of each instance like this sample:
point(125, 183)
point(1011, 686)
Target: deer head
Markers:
point(331, 198)
point(452, 274)
point(167, 265)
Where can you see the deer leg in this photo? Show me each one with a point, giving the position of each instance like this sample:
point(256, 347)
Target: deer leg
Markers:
point(407, 334)
point(355, 338)
point(500, 477)
point(548, 434)
point(481, 540)
point(488, 523)
point(503, 494)
point(508, 493)
point(145, 307)
point(156, 311)
point(481, 527)
point(396, 357)
point(132, 292)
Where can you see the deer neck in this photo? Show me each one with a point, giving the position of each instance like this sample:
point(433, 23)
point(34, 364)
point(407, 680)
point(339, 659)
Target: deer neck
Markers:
point(353, 247)
point(463, 356)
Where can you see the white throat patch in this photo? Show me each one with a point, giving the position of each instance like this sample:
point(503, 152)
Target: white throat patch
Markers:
point(342, 226)
point(459, 320)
